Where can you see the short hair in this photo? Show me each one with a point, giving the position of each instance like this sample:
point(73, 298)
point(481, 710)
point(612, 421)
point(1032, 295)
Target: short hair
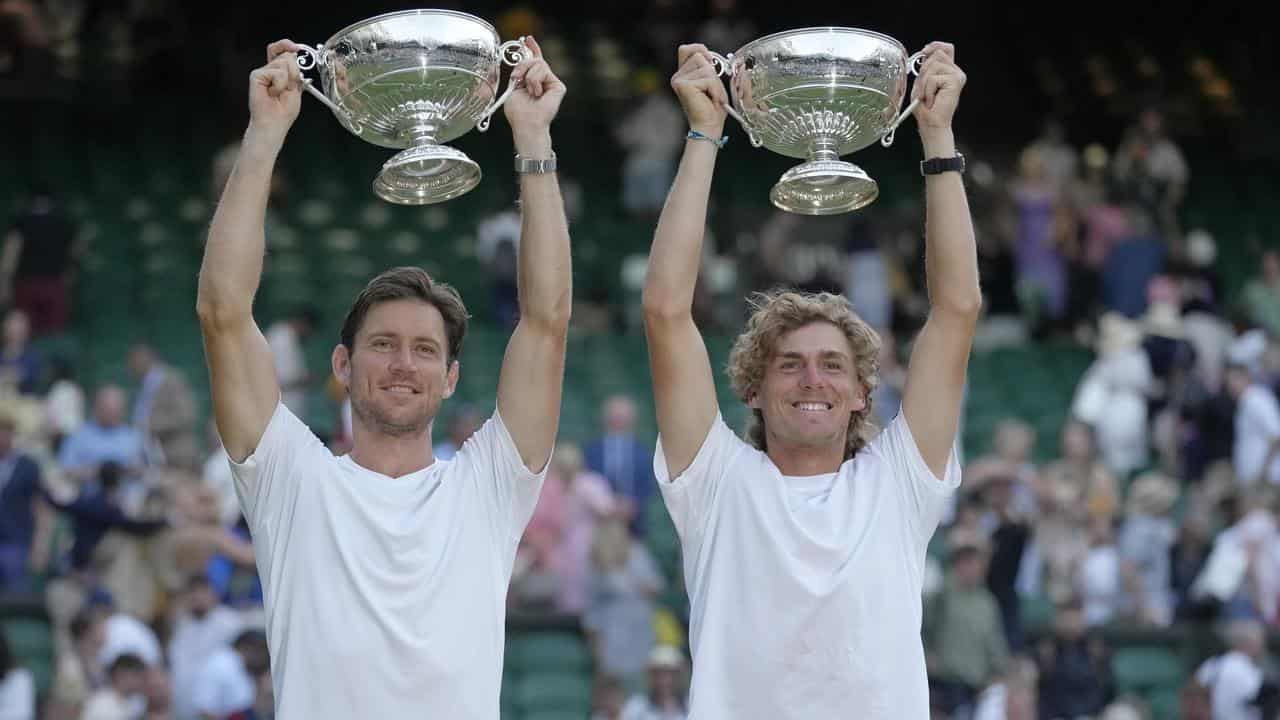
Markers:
point(778, 312)
point(409, 283)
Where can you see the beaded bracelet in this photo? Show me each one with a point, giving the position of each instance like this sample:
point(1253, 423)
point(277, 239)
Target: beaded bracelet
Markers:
point(695, 135)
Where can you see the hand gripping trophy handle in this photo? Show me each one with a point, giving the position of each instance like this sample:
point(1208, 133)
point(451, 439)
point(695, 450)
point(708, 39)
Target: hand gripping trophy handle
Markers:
point(724, 66)
point(913, 66)
point(513, 52)
point(310, 57)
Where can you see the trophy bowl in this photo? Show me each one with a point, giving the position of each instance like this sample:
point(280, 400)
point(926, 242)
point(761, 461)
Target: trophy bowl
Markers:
point(816, 94)
point(414, 80)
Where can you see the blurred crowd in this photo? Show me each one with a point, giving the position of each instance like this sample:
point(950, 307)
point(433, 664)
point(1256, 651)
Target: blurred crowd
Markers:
point(1159, 509)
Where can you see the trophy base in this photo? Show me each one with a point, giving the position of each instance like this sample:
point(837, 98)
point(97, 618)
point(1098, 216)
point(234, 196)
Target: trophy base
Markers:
point(426, 174)
point(824, 187)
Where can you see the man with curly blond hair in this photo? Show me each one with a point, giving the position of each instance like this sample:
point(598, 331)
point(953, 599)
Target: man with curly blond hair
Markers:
point(804, 545)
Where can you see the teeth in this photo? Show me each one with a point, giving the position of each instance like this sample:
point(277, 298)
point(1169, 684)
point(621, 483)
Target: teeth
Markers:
point(400, 389)
point(813, 406)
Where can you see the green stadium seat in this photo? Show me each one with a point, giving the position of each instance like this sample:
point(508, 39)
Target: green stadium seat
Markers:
point(548, 651)
point(1144, 669)
point(554, 692)
point(30, 636)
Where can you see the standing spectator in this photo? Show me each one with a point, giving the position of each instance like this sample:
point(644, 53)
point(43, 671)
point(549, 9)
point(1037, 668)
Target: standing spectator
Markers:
point(1146, 539)
point(624, 460)
point(165, 410)
point(1256, 454)
point(651, 136)
point(19, 486)
point(203, 627)
point(227, 682)
point(1262, 294)
point(286, 339)
point(1075, 667)
point(1151, 166)
point(964, 640)
point(38, 257)
point(624, 581)
point(1234, 677)
point(21, 370)
point(78, 673)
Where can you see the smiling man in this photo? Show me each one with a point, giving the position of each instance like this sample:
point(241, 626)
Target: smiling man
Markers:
point(385, 571)
point(804, 546)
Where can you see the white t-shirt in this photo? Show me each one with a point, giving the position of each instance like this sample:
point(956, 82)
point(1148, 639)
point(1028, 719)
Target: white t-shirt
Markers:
point(223, 686)
point(194, 642)
point(17, 695)
point(806, 603)
point(1233, 680)
point(1257, 426)
point(385, 597)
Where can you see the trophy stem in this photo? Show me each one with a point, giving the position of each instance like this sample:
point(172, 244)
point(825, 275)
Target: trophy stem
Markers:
point(824, 149)
point(420, 133)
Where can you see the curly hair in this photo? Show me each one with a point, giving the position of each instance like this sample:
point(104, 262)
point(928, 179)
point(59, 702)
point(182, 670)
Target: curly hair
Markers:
point(778, 312)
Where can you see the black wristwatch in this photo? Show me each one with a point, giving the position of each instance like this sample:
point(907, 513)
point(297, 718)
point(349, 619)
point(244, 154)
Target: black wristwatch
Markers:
point(937, 166)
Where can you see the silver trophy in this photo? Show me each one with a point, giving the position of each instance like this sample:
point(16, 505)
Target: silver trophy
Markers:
point(415, 79)
point(817, 94)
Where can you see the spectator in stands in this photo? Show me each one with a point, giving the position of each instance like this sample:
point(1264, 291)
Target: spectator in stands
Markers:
point(122, 698)
point(623, 583)
point(287, 338)
point(1075, 667)
point(78, 672)
point(1262, 294)
point(607, 698)
point(21, 367)
point(466, 420)
point(963, 635)
point(624, 460)
point(17, 686)
point(1010, 534)
point(1146, 537)
point(104, 438)
point(497, 249)
point(587, 502)
point(19, 489)
point(227, 681)
point(1256, 453)
point(63, 404)
point(95, 511)
point(1041, 267)
point(1098, 577)
point(1151, 166)
point(203, 627)
point(664, 697)
point(39, 254)
point(164, 410)
point(1112, 395)
point(1014, 697)
point(1235, 677)
point(651, 136)
point(1131, 263)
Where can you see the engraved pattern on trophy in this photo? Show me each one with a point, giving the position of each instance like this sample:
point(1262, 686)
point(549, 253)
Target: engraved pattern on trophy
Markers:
point(816, 94)
point(414, 80)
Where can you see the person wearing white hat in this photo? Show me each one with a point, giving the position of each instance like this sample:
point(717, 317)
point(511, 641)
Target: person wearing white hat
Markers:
point(665, 698)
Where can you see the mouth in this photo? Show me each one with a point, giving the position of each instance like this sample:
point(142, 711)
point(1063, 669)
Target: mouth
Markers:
point(401, 390)
point(813, 407)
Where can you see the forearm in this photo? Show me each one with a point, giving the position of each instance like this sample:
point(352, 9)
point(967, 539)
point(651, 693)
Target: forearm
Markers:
point(951, 257)
point(676, 255)
point(233, 256)
point(545, 277)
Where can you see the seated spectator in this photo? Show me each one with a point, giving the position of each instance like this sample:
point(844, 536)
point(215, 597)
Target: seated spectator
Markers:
point(122, 698)
point(623, 582)
point(1235, 677)
point(19, 488)
point(226, 684)
point(1075, 669)
point(203, 628)
point(666, 697)
point(21, 368)
point(1146, 536)
point(964, 640)
point(78, 673)
point(104, 438)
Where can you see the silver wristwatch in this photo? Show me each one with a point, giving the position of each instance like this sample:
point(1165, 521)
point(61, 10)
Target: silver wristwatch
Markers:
point(526, 165)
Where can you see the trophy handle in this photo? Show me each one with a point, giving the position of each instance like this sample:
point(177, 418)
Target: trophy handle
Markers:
point(310, 57)
point(513, 52)
point(913, 66)
point(723, 65)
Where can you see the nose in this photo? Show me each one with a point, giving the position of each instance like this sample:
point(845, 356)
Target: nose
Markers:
point(812, 377)
point(403, 359)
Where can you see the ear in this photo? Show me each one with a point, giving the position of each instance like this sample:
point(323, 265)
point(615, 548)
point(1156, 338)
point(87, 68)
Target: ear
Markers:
point(341, 363)
point(753, 401)
point(451, 378)
point(859, 398)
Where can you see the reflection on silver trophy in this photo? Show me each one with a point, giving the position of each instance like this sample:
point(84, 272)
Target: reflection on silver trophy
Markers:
point(415, 79)
point(817, 94)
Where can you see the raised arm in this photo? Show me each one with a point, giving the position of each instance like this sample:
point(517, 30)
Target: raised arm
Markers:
point(241, 371)
point(934, 389)
point(532, 375)
point(683, 386)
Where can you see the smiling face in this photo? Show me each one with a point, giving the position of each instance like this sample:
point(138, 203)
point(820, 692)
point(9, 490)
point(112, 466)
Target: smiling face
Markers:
point(397, 371)
point(810, 389)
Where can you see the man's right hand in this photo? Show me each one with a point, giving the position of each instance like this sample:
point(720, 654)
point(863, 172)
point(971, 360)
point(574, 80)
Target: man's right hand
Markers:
point(700, 90)
point(275, 91)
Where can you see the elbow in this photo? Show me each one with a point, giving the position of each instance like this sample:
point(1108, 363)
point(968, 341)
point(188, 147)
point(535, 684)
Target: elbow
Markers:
point(215, 315)
point(551, 317)
point(964, 305)
point(659, 306)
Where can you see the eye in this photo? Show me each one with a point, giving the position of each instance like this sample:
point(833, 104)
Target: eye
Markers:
point(834, 365)
point(429, 350)
point(789, 364)
point(381, 344)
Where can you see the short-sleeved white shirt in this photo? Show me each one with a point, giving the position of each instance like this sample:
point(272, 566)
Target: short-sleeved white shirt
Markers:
point(385, 597)
point(806, 592)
